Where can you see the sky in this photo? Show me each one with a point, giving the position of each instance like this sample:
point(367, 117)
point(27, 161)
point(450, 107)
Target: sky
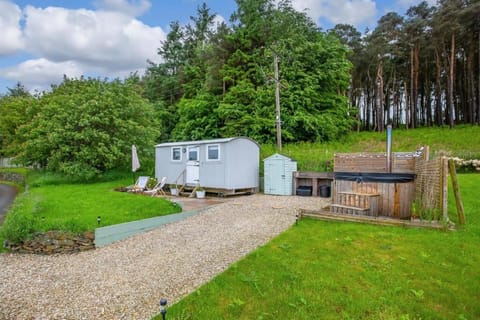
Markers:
point(43, 40)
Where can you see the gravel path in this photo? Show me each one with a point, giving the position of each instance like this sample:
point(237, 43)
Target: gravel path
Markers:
point(127, 279)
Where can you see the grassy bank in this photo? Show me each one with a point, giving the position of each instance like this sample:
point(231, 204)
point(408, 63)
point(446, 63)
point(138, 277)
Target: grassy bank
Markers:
point(53, 204)
point(331, 270)
point(462, 141)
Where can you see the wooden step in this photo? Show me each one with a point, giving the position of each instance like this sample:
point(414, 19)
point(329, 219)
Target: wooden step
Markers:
point(339, 208)
point(359, 200)
point(386, 221)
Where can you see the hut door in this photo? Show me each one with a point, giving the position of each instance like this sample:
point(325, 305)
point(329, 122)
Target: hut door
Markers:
point(193, 172)
point(193, 166)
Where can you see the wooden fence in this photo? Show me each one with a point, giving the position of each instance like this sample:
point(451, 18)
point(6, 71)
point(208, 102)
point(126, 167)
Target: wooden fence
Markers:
point(402, 162)
point(431, 185)
point(7, 163)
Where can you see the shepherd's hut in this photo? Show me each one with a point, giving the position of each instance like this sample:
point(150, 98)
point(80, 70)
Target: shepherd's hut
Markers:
point(224, 166)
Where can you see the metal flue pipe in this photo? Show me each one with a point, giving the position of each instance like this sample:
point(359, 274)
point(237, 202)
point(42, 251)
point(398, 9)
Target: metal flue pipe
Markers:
point(389, 148)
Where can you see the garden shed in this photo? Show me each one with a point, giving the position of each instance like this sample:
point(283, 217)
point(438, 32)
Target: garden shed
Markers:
point(278, 175)
point(225, 166)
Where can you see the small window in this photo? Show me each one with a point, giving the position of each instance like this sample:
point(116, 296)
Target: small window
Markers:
point(193, 154)
point(213, 152)
point(176, 154)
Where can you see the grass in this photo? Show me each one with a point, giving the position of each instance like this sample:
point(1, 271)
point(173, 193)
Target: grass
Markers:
point(332, 270)
point(51, 204)
point(317, 269)
point(463, 141)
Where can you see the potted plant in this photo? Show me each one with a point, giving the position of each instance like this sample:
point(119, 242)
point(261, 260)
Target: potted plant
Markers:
point(173, 190)
point(200, 192)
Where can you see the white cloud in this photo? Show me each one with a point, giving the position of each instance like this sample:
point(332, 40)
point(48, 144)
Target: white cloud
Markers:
point(80, 42)
point(10, 15)
point(219, 20)
point(354, 12)
point(313, 8)
point(40, 73)
point(109, 40)
point(409, 3)
point(131, 8)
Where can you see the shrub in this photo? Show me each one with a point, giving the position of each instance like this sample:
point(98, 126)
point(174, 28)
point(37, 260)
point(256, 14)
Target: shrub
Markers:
point(466, 166)
point(17, 226)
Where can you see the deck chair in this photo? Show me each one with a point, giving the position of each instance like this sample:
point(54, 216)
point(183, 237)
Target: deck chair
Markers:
point(158, 188)
point(140, 185)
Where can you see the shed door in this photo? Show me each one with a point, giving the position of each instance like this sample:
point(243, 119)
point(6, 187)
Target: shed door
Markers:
point(193, 172)
point(276, 177)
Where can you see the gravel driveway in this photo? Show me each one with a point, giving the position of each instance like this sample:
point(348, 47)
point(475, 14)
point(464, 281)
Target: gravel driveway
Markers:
point(126, 280)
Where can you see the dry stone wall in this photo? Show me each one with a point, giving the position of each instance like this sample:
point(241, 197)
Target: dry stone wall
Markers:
point(53, 242)
point(12, 177)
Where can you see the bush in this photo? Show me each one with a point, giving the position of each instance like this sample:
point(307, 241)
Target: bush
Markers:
point(17, 226)
point(466, 166)
point(86, 127)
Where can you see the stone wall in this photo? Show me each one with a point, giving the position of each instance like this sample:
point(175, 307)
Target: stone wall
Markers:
point(12, 177)
point(53, 242)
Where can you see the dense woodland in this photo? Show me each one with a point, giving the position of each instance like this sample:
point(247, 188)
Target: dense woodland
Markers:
point(219, 80)
point(419, 68)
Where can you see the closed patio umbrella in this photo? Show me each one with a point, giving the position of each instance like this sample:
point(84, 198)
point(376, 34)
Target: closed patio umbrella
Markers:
point(135, 161)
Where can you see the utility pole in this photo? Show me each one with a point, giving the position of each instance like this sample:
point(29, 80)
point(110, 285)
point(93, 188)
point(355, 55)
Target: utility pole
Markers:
point(278, 120)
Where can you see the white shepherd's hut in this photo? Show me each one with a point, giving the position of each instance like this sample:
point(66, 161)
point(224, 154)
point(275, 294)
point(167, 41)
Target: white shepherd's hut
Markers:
point(225, 166)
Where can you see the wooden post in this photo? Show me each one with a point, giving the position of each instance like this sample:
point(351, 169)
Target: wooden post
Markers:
point(426, 153)
point(396, 200)
point(295, 175)
point(456, 192)
point(278, 120)
point(315, 187)
point(444, 192)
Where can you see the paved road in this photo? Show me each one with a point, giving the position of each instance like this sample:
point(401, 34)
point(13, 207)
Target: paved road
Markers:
point(7, 195)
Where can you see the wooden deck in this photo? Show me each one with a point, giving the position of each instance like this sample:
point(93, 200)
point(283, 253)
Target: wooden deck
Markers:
point(326, 215)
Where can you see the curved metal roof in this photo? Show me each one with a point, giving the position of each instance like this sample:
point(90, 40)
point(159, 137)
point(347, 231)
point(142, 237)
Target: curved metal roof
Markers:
point(198, 142)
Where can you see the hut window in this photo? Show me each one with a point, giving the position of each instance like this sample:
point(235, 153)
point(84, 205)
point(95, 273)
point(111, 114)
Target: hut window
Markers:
point(193, 154)
point(213, 152)
point(176, 154)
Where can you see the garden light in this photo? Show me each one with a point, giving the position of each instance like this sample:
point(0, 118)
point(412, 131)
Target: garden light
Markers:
point(99, 219)
point(163, 308)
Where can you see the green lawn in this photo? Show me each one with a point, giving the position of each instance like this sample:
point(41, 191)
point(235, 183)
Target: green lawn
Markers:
point(75, 208)
point(332, 270)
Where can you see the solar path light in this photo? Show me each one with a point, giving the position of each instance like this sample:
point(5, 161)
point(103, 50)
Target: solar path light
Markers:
point(163, 308)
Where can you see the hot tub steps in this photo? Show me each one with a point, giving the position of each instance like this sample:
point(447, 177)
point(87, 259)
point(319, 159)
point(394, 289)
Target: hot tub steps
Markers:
point(338, 208)
point(356, 203)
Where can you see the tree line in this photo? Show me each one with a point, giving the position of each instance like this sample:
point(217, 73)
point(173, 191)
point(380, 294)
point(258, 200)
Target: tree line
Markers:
point(421, 69)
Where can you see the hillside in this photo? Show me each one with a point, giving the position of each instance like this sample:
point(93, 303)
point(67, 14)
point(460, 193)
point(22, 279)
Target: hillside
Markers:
point(462, 141)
